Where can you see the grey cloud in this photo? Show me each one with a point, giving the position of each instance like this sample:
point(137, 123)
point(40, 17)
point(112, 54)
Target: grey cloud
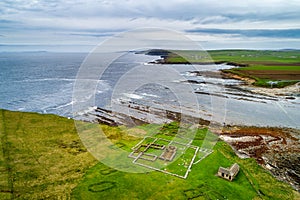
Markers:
point(271, 33)
point(87, 18)
point(175, 10)
point(92, 34)
point(198, 12)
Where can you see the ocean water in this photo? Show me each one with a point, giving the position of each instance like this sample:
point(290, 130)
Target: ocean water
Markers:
point(43, 82)
point(38, 81)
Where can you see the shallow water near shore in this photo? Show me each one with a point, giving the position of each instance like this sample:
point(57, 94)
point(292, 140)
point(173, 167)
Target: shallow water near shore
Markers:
point(43, 82)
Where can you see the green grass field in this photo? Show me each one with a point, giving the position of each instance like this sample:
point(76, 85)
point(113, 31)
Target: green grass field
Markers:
point(42, 157)
point(252, 182)
point(256, 56)
point(262, 67)
point(239, 56)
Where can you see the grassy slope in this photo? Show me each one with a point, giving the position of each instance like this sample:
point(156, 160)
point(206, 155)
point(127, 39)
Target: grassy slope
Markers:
point(253, 182)
point(42, 157)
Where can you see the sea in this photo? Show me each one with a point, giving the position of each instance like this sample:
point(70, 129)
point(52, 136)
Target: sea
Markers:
point(43, 82)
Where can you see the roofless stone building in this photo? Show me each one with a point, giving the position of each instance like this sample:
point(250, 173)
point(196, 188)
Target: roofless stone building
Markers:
point(229, 173)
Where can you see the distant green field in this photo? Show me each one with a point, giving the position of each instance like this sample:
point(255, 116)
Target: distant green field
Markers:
point(250, 56)
point(240, 56)
point(268, 67)
point(282, 67)
point(42, 157)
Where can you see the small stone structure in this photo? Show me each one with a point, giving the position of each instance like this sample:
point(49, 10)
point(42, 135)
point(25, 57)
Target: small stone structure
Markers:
point(169, 153)
point(229, 173)
point(147, 146)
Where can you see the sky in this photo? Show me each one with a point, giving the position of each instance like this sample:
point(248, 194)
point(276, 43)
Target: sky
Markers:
point(79, 25)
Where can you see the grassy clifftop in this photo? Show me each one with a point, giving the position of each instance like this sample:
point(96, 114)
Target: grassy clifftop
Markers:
point(252, 182)
point(42, 157)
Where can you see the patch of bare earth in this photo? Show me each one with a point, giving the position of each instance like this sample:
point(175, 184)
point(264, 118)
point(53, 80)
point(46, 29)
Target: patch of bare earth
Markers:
point(274, 74)
point(269, 63)
point(276, 149)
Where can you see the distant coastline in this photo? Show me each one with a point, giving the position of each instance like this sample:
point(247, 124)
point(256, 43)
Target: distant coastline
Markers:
point(262, 68)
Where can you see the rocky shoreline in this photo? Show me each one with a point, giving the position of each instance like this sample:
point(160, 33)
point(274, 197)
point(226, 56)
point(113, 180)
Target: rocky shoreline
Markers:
point(163, 61)
point(275, 149)
point(164, 54)
point(292, 90)
point(289, 91)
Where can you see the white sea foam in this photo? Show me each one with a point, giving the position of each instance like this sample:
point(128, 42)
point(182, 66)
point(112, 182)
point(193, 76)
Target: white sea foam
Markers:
point(45, 79)
point(239, 139)
point(149, 95)
point(133, 96)
point(65, 105)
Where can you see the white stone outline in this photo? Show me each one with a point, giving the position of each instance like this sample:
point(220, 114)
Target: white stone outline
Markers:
point(188, 170)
